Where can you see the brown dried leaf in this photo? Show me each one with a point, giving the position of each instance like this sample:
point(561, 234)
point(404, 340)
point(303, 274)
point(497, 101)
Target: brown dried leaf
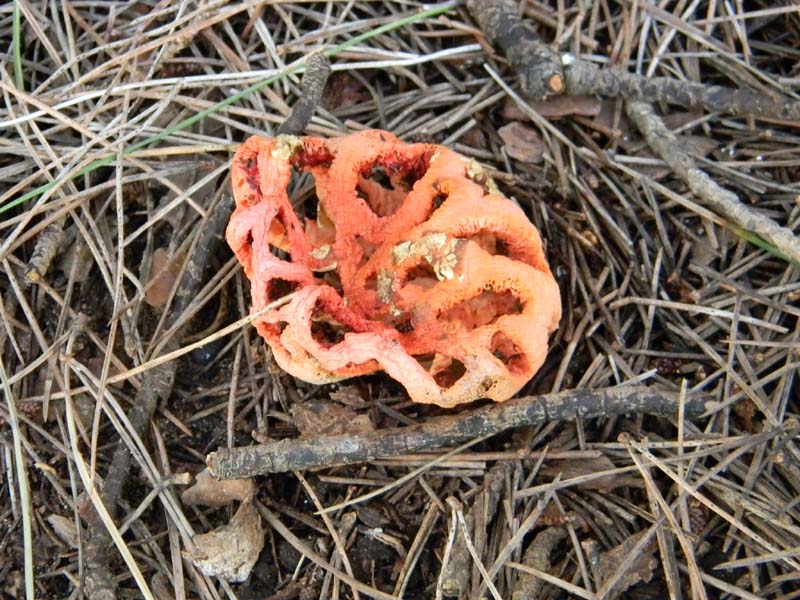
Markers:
point(570, 468)
point(164, 269)
point(554, 108)
point(209, 491)
point(86, 510)
point(553, 517)
point(65, 529)
point(641, 570)
point(746, 411)
point(475, 138)
point(612, 119)
point(230, 551)
point(675, 119)
point(343, 90)
point(348, 395)
point(317, 418)
point(522, 142)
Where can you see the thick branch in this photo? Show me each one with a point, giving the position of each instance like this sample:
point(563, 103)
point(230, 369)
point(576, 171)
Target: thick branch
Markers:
point(532, 59)
point(583, 77)
point(538, 67)
point(292, 454)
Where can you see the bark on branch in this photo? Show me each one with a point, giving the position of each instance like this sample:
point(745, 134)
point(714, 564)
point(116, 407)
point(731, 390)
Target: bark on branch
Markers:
point(296, 454)
point(538, 66)
point(583, 77)
point(312, 86)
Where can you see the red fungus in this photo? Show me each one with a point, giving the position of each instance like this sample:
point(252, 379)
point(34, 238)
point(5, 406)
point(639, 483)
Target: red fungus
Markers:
point(413, 263)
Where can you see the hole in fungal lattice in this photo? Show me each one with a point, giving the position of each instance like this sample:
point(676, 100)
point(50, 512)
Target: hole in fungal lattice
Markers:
point(481, 310)
point(278, 288)
point(504, 348)
point(326, 330)
point(385, 185)
point(447, 377)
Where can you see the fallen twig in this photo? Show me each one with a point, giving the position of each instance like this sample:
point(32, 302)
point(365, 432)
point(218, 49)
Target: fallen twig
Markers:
point(666, 144)
point(455, 576)
point(314, 78)
point(544, 71)
point(583, 77)
point(537, 556)
point(296, 454)
point(46, 246)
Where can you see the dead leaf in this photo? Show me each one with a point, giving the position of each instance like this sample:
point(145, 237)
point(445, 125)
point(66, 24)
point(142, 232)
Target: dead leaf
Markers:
point(342, 91)
point(65, 529)
point(209, 491)
point(640, 570)
point(349, 396)
point(164, 269)
point(554, 108)
point(675, 119)
point(86, 510)
point(474, 138)
point(230, 551)
point(746, 410)
point(522, 142)
point(320, 418)
point(553, 517)
point(571, 468)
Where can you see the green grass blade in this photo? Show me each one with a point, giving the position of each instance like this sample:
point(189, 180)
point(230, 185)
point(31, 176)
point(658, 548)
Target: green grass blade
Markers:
point(22, 480)
point(43, 189)
point(758, 242)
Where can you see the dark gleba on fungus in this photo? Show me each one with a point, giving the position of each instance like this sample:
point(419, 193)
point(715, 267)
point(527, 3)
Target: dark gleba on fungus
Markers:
point(414, 264)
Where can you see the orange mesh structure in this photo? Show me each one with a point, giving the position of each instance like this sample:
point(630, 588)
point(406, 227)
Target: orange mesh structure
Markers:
point(412, 263)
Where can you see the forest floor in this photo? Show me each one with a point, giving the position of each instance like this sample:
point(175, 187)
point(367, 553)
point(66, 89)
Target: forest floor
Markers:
point(115, 151)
